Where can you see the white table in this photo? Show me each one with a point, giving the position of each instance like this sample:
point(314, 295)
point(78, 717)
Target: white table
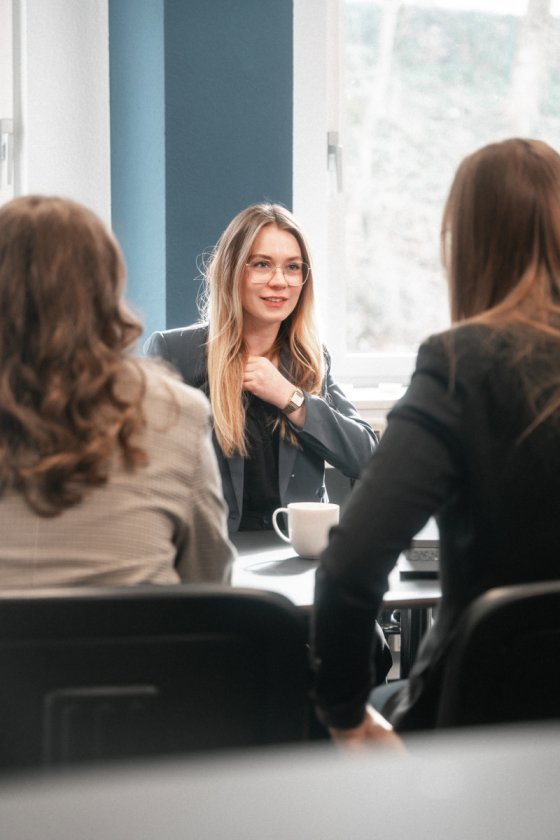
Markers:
point(498, 783)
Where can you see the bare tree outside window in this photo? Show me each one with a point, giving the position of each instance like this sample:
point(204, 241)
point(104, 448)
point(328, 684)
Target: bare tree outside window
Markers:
point(425, 84)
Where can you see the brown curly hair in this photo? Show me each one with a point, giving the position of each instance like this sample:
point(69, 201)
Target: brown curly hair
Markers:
point(64, 336)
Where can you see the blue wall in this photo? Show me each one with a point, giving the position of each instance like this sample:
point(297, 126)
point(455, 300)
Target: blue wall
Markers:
point(220, 128)
point(138, 152)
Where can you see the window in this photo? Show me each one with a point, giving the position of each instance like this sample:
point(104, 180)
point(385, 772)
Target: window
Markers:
point(403, 91)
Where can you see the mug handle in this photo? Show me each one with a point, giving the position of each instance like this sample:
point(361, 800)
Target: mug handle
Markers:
point(276, 526)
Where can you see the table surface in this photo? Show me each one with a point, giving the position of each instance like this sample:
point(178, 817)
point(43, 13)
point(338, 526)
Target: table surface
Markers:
point(266, 562)
point(499, 783)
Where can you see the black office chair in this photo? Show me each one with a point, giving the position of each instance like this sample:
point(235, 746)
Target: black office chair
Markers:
point(98, 673)
point(505, 662)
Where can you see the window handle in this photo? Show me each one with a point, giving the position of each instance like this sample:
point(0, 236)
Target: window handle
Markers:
point(6, 151)
point(334, 158)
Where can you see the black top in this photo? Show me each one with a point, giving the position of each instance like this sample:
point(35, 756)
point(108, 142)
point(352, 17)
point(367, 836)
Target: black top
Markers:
point(452, 448)
point(260, 483)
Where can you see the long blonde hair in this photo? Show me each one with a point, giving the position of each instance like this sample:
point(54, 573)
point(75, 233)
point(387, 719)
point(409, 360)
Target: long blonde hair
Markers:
point(501, 249)
point(64, 332)
point(223, 310)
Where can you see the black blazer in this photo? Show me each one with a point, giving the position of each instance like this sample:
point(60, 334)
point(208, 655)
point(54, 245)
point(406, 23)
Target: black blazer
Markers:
point(453, 448)
point(333, 431)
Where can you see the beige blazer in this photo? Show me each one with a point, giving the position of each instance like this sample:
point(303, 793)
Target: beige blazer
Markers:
point(162, 523)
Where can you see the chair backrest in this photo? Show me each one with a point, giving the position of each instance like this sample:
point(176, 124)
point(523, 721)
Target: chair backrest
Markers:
point(504, 665)
point(90, 674)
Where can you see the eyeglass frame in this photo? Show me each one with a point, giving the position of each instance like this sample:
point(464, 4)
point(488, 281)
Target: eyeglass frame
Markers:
point(306, 269)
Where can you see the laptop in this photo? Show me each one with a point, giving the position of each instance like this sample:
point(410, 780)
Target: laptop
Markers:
point(421, 560)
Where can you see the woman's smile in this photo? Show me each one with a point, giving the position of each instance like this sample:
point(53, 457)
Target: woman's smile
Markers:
point(271, 300)
point(274, 301)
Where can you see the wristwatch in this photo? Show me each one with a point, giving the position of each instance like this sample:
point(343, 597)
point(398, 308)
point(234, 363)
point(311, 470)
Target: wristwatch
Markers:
point(296, 401)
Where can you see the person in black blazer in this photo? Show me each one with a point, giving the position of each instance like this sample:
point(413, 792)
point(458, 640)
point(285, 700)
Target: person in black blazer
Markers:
point(475, 441)
point(278, 415)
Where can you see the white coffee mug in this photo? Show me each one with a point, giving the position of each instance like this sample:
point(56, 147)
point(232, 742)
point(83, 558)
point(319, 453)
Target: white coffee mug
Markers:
point(309, 524)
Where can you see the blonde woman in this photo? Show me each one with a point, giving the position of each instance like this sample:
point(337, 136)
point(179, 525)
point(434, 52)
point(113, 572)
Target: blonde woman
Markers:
point(475, 441)
point(277, 413)
point(107, 471)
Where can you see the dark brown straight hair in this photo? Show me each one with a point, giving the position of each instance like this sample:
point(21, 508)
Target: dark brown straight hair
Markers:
point(501, 248)
point(501, 232)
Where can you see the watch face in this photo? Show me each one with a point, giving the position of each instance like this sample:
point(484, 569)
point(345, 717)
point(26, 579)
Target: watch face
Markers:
point(296, 401)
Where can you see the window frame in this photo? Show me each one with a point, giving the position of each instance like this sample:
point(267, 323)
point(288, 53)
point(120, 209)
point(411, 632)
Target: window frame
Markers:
point(318, 201)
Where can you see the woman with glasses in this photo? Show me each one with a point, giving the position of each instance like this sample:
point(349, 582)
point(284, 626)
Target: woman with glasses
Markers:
point(277, 413)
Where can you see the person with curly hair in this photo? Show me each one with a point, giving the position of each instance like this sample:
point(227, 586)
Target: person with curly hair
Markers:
point(107, 471)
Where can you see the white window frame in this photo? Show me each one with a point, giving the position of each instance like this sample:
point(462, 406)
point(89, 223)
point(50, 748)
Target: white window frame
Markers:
point(317, 199)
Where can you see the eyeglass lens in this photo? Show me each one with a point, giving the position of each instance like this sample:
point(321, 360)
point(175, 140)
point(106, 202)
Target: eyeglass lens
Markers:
point(295, 272)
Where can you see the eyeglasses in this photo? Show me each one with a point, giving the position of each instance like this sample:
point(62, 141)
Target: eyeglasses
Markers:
point(262, 271)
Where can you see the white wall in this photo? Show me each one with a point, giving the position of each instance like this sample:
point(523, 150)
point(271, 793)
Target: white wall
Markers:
point(6, 96)
point(61, 103)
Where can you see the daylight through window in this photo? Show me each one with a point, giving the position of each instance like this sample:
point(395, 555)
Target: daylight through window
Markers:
point(424, 84)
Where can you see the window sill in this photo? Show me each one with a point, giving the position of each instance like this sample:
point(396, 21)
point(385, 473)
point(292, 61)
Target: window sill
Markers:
point(375, 403)
point(380, 397)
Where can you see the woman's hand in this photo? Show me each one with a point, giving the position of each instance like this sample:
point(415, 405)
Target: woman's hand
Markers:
point(373, 730)
point(263, 379)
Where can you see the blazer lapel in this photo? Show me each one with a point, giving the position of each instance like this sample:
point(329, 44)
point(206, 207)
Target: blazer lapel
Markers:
point(236, 466)
point(286, 460)
point(286, 452)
